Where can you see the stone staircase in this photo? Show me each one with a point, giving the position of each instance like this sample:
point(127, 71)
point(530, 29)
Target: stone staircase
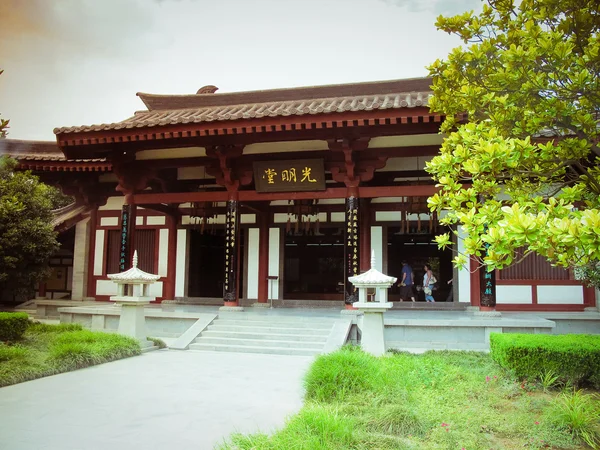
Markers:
point(269, 335)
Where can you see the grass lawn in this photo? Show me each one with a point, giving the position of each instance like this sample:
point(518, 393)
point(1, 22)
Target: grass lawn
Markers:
point(438, 400)
point(51, 349)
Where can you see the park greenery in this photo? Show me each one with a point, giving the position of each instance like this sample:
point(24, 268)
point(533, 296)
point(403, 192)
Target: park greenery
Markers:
point(518, 169)
point(437, 400)
point(27, 236)
point(50, 349)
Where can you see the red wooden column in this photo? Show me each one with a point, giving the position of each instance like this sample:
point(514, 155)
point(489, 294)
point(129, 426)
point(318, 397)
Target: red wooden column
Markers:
point(365, 234)
point(169, 289)
point(263, 257)
point(42, 289)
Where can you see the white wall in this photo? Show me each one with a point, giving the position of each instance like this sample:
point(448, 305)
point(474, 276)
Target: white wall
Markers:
point(253, 249)
point(377, 245)
point(548, 295)
point(163, 251)
point(181, 263)
point(464, 276)
point(274, 269)
point(80, 259)
point(99, 253)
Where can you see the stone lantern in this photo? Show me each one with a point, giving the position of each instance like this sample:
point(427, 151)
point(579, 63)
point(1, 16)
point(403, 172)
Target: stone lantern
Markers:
point(133, 294)
point(372, 339)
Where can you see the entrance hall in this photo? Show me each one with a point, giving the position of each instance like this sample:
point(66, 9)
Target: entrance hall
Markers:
point(206, 262)
point(417, 250)
point(314, 265)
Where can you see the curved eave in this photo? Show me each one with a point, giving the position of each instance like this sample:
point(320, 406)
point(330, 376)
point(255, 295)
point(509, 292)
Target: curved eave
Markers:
point(245, 127)
point(64, 166)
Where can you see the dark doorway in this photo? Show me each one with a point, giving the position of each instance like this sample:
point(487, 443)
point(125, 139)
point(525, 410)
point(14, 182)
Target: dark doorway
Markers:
point(314, 265)
point(207, 264)
point(417, 250)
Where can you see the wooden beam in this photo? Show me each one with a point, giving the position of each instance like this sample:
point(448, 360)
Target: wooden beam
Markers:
point(246, 196)
point(172, 211)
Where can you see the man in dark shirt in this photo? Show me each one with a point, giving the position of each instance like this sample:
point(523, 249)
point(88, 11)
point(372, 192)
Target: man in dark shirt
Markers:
point(407, 283)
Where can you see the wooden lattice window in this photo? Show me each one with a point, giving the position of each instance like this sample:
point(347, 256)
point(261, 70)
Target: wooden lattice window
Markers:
point(534, 267)
point(145, 242)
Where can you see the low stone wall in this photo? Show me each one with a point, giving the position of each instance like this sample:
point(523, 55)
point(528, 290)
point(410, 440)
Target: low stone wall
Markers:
point(467, 333)
point(158, 323)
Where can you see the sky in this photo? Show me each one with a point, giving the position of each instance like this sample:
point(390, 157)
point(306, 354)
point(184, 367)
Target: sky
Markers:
point(81, 62)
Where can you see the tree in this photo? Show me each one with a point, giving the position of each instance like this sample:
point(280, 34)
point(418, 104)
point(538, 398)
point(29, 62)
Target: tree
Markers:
point(3, 122)
point(518, 169)
point(27, 236)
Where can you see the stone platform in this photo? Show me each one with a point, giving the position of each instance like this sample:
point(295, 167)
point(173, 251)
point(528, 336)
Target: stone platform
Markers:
point(408, 329)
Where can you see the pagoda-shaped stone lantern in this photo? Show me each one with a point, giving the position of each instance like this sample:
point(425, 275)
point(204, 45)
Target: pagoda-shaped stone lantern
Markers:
point(133, 294)
point(372, 339)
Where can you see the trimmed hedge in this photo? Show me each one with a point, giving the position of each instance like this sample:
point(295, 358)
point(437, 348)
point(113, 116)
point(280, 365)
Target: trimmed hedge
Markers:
point(574, 358)
point(13, 325)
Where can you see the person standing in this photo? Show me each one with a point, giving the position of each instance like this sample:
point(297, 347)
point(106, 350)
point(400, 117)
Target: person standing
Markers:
point(407, 283)
point(428, 281)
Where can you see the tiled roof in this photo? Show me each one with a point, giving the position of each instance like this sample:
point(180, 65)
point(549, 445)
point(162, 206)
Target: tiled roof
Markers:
point(210, 107)
point(69, 212)
point(32, 151)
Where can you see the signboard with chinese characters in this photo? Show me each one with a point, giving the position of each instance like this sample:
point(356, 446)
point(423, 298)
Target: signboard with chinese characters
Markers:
point(125, 238)
point(289, 176)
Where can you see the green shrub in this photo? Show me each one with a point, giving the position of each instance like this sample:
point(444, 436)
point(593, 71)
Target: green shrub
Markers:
point(580, 414)
point(334, 376)
point(574, 358)
point(77, 349)
point(157, 342)
point(12, 352)
point(38, 327)
point(13, 325)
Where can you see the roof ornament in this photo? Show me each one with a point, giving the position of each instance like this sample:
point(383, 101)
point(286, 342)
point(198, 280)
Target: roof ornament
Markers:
point(210, 89)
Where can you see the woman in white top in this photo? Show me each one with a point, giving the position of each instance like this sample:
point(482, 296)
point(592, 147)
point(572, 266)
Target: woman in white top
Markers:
point(428, 281)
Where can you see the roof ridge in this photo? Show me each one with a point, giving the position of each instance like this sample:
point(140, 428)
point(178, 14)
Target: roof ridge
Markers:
point(187, 101)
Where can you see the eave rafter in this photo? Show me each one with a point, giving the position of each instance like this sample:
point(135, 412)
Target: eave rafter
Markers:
point(418, 115)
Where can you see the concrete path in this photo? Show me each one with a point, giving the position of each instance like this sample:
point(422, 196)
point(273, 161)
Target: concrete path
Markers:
point(163, 400)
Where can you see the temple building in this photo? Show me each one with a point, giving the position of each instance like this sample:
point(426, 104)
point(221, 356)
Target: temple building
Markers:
point(246, 197)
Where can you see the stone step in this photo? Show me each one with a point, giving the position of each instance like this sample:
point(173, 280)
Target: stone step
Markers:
point(233, 341)
point(269, 329)
point(278, 323)
point(263, 336)
point(255, 349)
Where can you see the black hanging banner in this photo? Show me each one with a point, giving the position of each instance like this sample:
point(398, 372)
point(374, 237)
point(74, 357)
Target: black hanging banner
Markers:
point(351, 249)
point(231, 251)
point(126, 231)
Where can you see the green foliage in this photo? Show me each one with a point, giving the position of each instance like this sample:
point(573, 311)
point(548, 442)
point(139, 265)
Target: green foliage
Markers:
point(27, 237)
point(334, 377)
point(3, 123)
point(157, 342)
point(522, 171)
point(13, 325)
point(77, 349)
point(437, 400)
point(548, 379)
point(580, 414)
point(11, 352)
point(574, 358)
point(38, 327)
point(50, 349)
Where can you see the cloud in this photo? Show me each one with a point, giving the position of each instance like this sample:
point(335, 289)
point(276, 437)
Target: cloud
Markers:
point(437, 7)
point(59, 28)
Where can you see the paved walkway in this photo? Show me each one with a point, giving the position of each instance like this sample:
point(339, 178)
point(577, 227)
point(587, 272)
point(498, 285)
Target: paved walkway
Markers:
point(161, 400)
